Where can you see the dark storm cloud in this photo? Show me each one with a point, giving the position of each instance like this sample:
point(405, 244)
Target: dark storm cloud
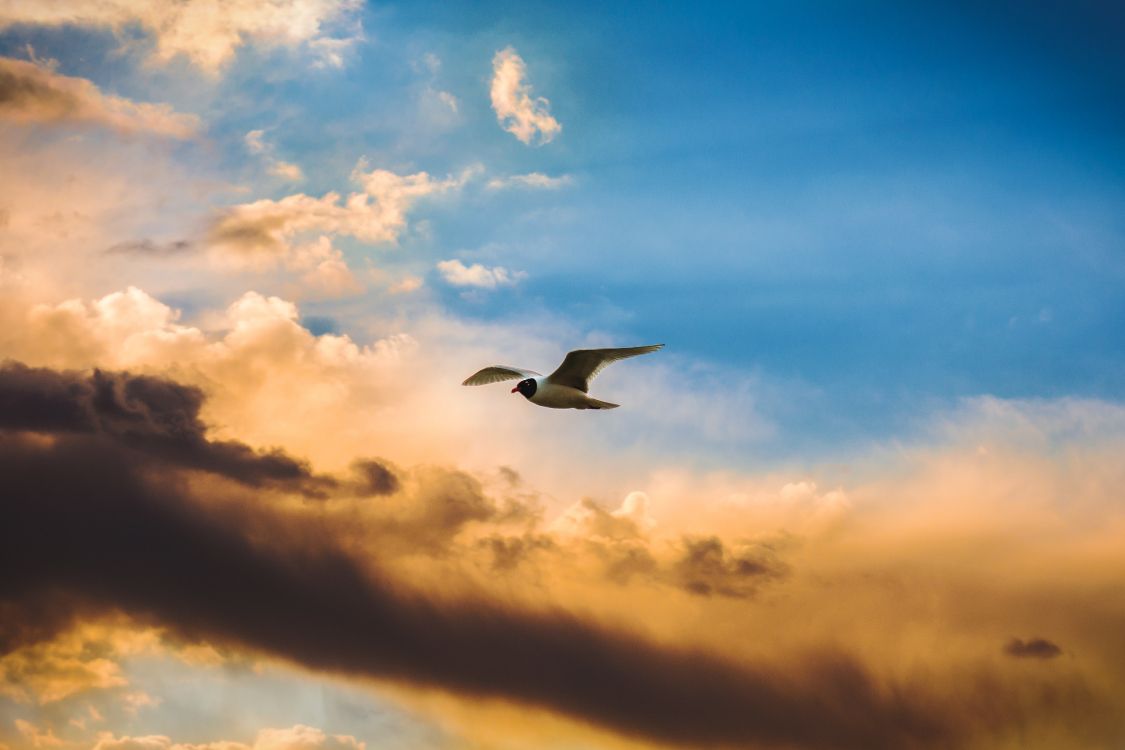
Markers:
point(509, 552)
point(707, 567)
point(1034, 648)
point(374, 478)
point(149, 415)
point(93, 523)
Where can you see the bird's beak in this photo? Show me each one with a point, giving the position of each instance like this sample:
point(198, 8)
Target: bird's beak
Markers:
point(516, 389)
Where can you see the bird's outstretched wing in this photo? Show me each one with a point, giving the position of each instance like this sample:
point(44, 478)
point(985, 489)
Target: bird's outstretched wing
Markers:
point(581, 365)
point(496, 373)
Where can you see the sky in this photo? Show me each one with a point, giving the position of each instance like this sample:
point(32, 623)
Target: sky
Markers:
point(867, 496)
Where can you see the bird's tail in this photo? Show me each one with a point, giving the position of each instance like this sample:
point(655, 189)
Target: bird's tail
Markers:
point(593, 403)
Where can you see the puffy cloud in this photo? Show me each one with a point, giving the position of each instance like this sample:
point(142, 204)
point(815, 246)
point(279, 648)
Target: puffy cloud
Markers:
point(588, 519)
point(476, 275)
point(517, 112)
point(33, 93)
point(707, 567)
point(271, 381)
point(323, 270)
point(51, 673)
point(260, 232)
point(207, 32)
point(532, 180)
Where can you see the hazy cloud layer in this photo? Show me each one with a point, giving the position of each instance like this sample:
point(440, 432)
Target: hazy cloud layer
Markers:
point(207, 32)
point(528, 119)
point(33, 93)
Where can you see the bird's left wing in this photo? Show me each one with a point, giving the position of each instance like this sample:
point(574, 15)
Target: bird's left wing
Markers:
point(496, 373)
point(581, 365)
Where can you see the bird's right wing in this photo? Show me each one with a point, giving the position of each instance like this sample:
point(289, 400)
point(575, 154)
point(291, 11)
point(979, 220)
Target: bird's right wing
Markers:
point(580, 366)
point(496, 373)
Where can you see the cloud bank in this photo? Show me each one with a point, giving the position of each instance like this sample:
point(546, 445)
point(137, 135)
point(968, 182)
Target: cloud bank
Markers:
point(81, 463)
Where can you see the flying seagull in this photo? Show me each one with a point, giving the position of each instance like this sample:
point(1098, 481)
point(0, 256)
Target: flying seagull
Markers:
point(566, 387)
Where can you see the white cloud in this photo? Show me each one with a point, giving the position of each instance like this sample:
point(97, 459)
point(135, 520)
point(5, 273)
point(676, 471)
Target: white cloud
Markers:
point(586, 519)
point(448, 100)
point(207, 32)
point(34, 93)
point(250, 233)
point(287, 170)
point(516, 111)
point(323, 269)
point(256, 144)
point(532, 180)
point(458, 274)
point(406, 285)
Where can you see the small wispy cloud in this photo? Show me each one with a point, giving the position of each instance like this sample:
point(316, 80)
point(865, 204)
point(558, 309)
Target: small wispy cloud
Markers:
point(478, 276)
point(256, 144)
point(532, 180)
point(528, 119)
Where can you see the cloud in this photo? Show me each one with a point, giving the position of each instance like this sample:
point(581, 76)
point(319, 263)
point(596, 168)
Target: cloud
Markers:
point(531, 180)
point(31, 93)
point(151, 248)
point(707, 567)
point(256, 360)
point(323, 270)
point(206, 570)
point(37, 737)
point(376, 478)
point(153, 417)
point(458, 274)
point(406, 285)
point(297, 737)
point(255, 144)
point(1035, 648)
point(208, 33)
point(526, 118)
point(262, 231)
point(47, 673)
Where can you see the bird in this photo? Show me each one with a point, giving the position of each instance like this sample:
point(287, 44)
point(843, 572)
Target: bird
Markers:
point(566, 387)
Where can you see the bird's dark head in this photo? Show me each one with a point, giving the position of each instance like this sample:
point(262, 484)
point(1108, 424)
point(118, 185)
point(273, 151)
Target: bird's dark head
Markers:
point(526, 387)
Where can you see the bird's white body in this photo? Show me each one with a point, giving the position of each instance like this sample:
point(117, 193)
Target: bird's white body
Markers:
point(555, 396)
